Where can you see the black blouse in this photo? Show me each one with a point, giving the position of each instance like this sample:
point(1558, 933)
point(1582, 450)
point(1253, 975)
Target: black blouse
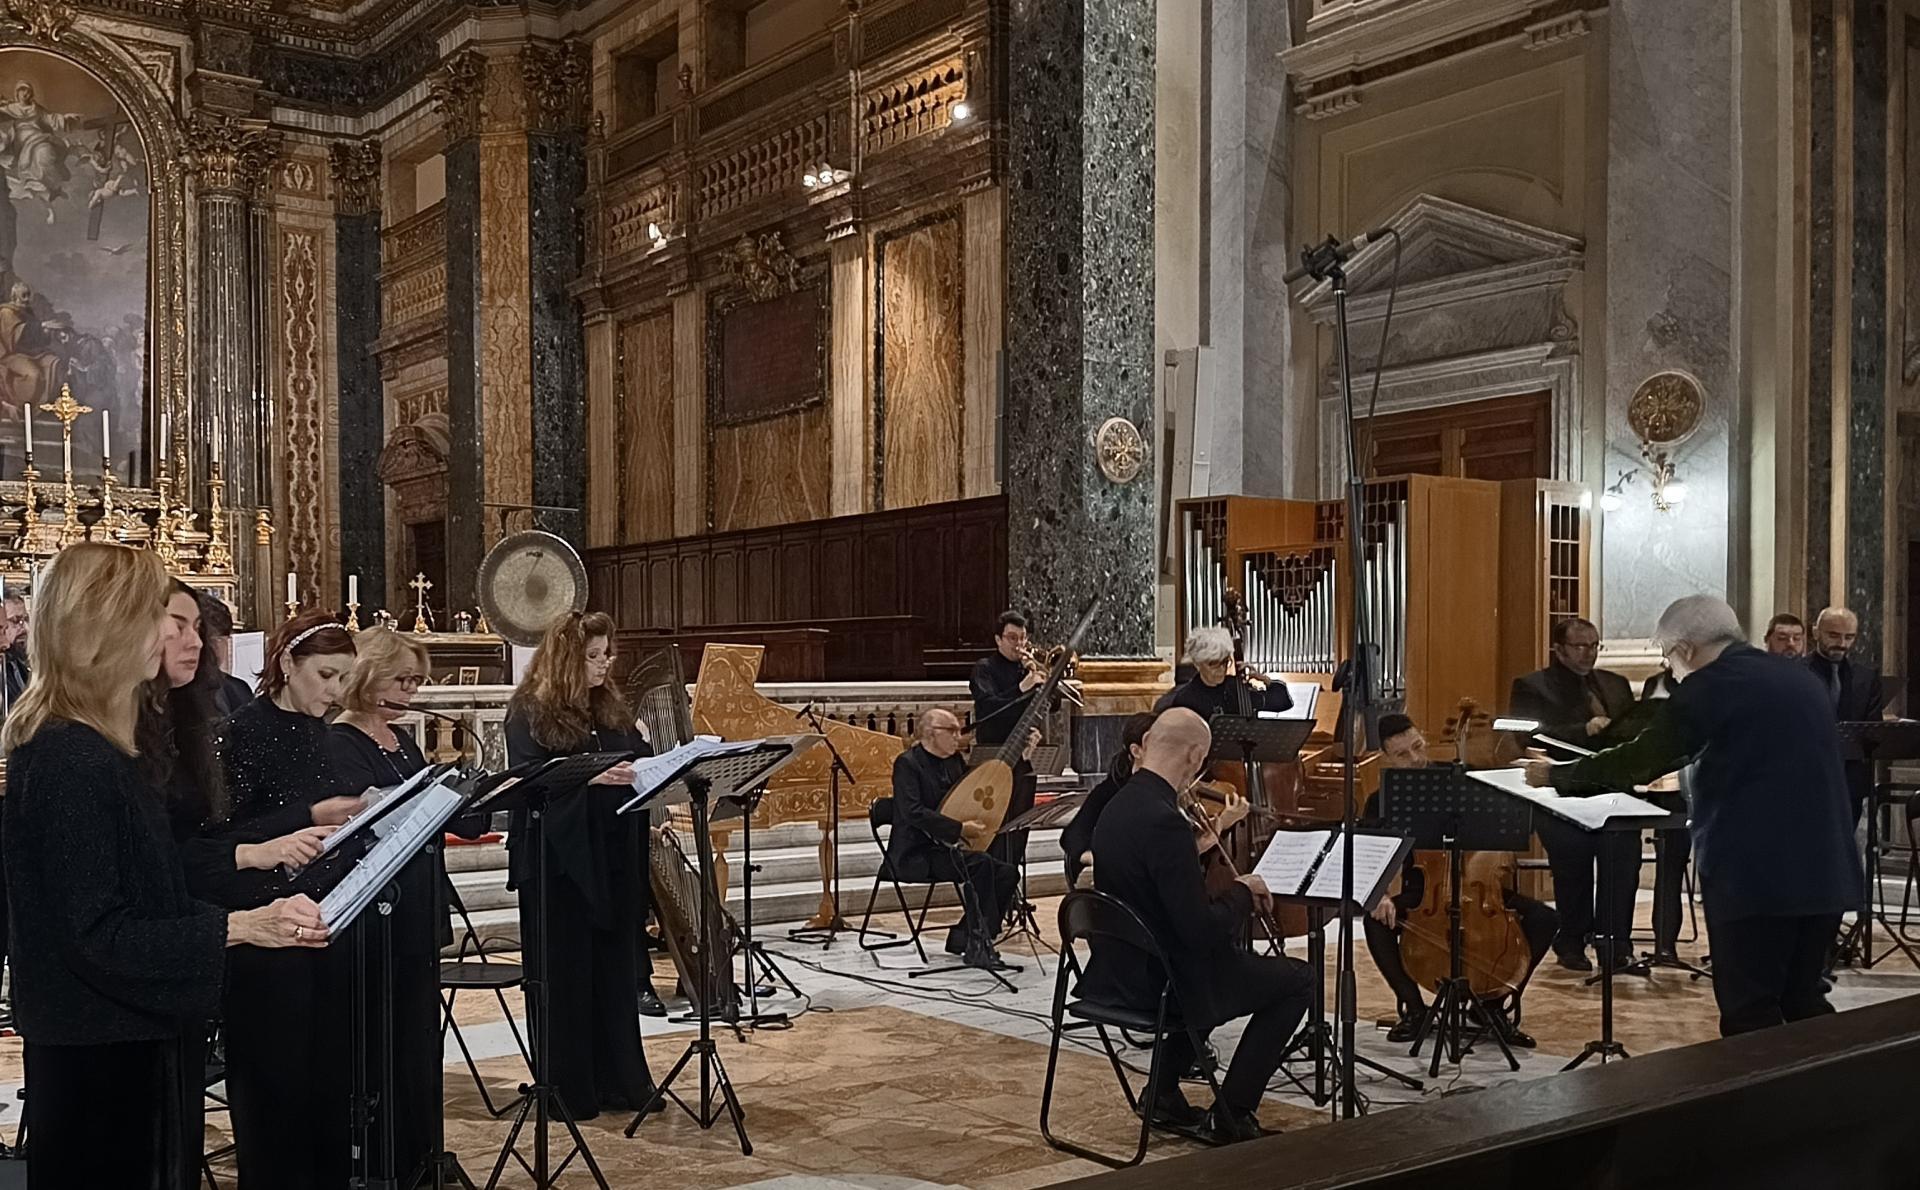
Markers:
point(359, 762)
point(107, 945)
point(588, 842)
point(276, 764)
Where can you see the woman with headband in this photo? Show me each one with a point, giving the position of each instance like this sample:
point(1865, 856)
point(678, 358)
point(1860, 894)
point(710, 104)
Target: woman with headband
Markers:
point(596, 877)
point(287, 1022)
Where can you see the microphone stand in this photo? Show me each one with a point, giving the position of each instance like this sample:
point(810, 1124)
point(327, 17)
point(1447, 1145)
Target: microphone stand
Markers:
point(837, 768)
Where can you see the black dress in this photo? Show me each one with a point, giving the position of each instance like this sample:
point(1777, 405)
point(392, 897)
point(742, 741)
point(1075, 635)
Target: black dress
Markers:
point(288, 1012)
point(595, 875)
point(412, 1037)
point(113, 965)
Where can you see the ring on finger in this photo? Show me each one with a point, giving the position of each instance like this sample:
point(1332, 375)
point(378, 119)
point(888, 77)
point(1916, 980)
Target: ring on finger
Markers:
point(299, 932)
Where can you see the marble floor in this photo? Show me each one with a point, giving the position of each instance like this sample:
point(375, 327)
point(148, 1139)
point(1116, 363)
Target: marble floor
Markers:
point(886, 1083)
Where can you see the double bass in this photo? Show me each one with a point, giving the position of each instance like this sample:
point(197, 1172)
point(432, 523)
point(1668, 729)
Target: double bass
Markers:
point(1495, 958)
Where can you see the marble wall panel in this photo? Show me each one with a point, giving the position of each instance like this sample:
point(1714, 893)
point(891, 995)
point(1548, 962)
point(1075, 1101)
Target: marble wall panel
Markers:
point(692, 511)
point(646, 377)
point(1867, 428)
point(918, 367)
point(1670, 298)
point(466, 470)
point(1820, 306)
point(850, 364)
point(772, 472)
point(557, 177)
point(362, 431)
point(505, 326)
point(302, 400)
point(603, 436)
point(985, 298)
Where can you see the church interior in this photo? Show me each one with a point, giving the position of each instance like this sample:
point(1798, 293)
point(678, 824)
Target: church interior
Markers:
point(909, 381)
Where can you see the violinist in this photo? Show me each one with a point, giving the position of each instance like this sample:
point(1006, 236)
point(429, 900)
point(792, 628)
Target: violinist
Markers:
point(1403, 747)
point(1148, 861)
point(1077, 839)
point(1217, 688)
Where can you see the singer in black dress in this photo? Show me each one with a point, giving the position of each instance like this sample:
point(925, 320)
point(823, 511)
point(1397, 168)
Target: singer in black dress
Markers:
point(288, 1015)
point(595, 870)
point(116, 966)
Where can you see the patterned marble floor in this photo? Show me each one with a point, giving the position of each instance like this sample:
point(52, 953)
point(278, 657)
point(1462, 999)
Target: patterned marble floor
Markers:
point(886, 1083)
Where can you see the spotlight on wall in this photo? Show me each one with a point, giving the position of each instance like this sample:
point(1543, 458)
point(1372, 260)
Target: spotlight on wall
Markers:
point(810, 180)
point(960, 112)
point(654, 233)
point(824, 174)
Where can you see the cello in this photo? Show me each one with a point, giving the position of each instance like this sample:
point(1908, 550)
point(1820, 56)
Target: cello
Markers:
point(1494, 955)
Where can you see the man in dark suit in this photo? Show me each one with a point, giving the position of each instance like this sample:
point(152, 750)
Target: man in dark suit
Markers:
point(1146, 859)
point(1575, 702)
point(1771, 829)
point(1853, 687)
point(925, 846)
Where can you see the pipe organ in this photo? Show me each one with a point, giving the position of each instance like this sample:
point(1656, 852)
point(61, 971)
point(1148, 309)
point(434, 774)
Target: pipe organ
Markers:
point(1441, 561)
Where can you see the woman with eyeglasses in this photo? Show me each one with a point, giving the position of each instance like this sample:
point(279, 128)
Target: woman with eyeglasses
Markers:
point(596, 870)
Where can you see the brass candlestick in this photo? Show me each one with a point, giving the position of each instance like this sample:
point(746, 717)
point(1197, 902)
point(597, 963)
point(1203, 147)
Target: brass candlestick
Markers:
point(36, 535)
point(163, 543)
point(353, 616)
point(108, 527)
point(219, 553)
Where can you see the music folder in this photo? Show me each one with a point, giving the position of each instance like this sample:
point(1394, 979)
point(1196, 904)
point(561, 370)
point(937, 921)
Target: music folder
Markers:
point(731, 768)
point(539, 780)
point(418, 819)
point(1307, 865)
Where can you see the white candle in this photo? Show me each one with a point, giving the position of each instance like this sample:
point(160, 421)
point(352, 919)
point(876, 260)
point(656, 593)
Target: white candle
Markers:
point(293, 587)
point(33, 579)
point(353, 588)
point(163, 437)
point(26, 411)
point(66, 450)
point(106, 436)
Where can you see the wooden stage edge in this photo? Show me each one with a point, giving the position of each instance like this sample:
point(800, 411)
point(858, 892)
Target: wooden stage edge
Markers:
point(1825, 1102)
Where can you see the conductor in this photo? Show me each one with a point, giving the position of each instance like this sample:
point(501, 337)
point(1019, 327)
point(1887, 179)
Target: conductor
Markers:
point(1772, 825)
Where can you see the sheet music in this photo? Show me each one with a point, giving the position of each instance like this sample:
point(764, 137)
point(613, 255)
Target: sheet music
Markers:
point(650, 772)
point(414, 826)
point(1551, 742)
point(1306, 696)
point(1372, 855)
point(1589, 812)
point(1289, 857)
point(375, 800)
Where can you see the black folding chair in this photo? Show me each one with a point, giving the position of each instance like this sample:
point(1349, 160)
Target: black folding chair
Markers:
point(484, 974)
point(1097, 917)
point(880, 814)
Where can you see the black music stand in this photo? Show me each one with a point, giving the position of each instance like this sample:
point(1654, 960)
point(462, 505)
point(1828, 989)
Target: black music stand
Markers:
point(1256, 739)
point(836, 768)
point(699, 782)
point(1316, 1040)
point(531, 787)
point(1440, 809)
point(1879, 743)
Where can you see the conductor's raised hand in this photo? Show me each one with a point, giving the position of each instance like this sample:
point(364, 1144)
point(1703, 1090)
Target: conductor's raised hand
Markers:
point(334, 811)
point(619, 774)
point(296, 850)
point(291, 922)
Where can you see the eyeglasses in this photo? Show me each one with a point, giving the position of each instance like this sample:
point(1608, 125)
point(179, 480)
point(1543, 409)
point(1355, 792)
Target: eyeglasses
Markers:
point(410, 681)
point(1584, 647)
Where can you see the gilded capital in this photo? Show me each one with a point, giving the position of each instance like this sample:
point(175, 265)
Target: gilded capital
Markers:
point(356, 176)
point(456, 93)
point(46, 20)
point(556, 83)
point(230, 156)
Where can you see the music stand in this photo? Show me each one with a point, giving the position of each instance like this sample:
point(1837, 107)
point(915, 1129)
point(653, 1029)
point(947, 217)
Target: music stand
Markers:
point(1440, 810)
point(1251, 740)
point(1879, 743)
point(836, 768)
point(531, 787)
point(700, 781)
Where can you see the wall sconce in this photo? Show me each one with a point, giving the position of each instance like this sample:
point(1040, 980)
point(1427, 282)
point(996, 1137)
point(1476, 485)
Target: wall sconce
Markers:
point(1664, 412)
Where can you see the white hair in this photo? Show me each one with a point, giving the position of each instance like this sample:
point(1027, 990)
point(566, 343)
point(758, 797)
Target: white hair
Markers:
point(1698, 620)
point(1207, 646)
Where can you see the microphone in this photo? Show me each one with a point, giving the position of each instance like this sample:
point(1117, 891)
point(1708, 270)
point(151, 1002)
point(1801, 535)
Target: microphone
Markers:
point(1317, 259)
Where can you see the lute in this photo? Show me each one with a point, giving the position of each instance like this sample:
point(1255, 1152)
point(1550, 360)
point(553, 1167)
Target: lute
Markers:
point(986, 790)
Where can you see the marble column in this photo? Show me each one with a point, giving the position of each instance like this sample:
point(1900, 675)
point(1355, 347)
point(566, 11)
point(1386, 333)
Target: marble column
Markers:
point(1867, 431)
point(556, 79)
point(362, 421)
point(232, 409)
point(456, 91)
point(1671, 300)
point(1079, 92)
point(852, 388)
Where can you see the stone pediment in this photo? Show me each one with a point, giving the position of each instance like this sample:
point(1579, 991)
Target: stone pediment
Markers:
point(415, 451)
point(1453, 250)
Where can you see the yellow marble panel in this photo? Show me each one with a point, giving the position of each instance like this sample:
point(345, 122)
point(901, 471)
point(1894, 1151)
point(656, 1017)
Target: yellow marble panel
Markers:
point(920, 360)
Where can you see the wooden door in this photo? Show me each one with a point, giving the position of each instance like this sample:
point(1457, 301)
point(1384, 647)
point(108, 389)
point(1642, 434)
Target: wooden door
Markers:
point(1502, 438)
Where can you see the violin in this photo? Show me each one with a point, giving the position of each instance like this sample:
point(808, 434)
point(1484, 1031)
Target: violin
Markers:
point(1494, 954)
point(1211, 810)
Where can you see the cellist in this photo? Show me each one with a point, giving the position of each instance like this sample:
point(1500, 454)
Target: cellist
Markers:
point(1403, 747)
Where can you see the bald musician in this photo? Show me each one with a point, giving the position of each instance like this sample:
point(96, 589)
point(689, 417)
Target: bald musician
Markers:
point(1853, 687)
point(1403, 747)
point(925, 847)
point(1147, 859)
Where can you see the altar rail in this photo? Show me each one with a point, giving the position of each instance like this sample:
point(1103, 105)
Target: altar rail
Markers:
point(1823, 1103)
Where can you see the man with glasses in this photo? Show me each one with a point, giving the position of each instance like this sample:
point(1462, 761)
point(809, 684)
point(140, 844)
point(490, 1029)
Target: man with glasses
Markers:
point(13, 652)
point(925, 847)
point(1576, 702)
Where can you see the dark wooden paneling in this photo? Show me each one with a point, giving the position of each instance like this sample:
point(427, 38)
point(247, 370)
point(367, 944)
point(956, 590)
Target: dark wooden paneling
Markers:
point(889, 589)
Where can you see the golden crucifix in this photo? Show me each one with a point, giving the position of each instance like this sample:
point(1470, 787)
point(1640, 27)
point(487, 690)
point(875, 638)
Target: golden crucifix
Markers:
point(68, 411)
point(420, 587)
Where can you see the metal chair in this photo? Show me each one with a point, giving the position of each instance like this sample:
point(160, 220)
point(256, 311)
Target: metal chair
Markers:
point(1090, 916)
point(482, 975)
point(880, 814)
